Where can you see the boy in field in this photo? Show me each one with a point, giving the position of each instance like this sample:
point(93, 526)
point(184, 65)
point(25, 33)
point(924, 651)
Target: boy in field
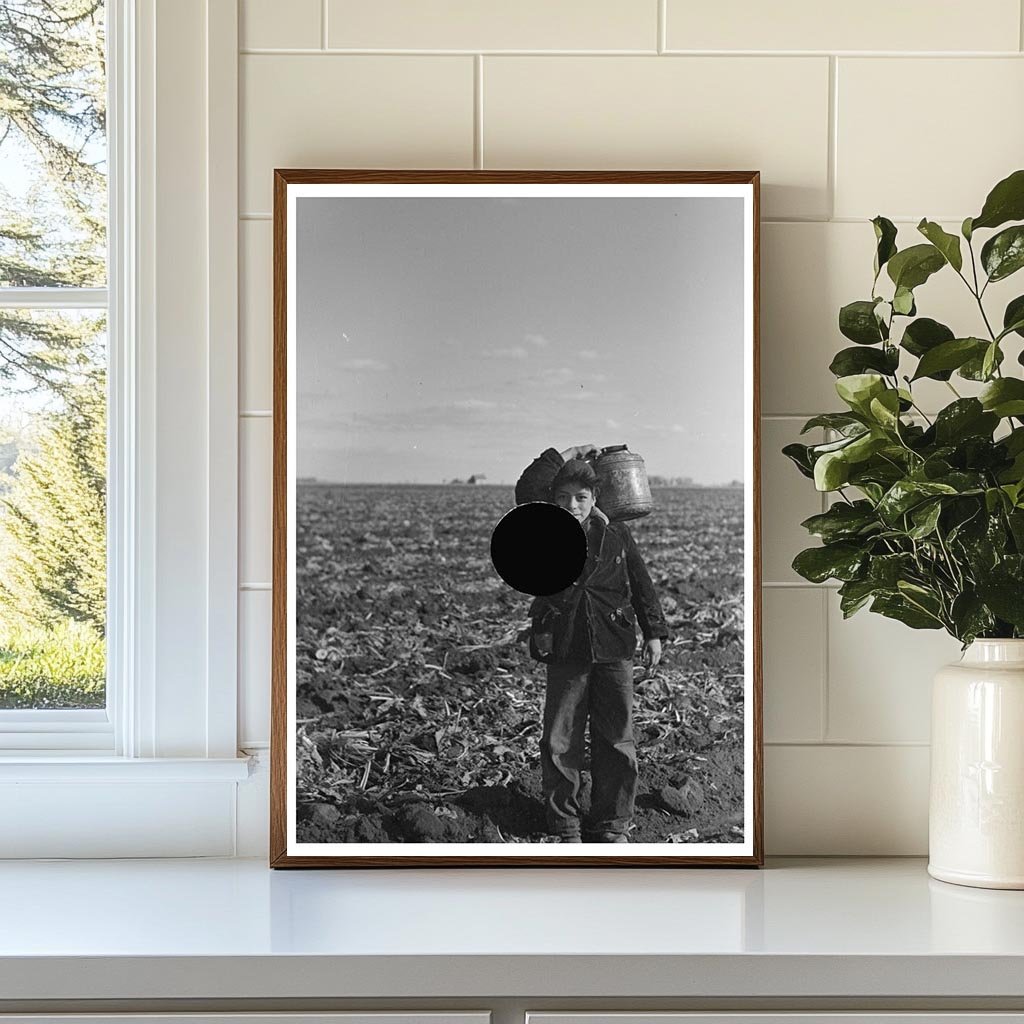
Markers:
point(586, 635)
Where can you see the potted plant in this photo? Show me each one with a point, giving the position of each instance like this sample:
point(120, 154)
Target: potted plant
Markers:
point(927, 521)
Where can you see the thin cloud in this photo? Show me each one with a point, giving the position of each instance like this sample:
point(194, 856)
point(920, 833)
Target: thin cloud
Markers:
point(589, 353)
point(536, 340)
point(513, 352)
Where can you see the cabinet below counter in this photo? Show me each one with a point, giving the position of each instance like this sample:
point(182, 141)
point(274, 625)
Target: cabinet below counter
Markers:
point(214, 938)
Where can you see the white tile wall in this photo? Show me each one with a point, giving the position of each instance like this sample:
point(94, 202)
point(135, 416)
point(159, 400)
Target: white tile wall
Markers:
point(254, 664)
point(255, 499)
point(838, 138)
point(701, 113)
point(879, 677)
point(471, 25)
point(807, 272)
point(331, 110)
point(787, 499)
point(256, 307)
point(874, 25)
point(262, 24)
point(794, 663)
point(971, 110)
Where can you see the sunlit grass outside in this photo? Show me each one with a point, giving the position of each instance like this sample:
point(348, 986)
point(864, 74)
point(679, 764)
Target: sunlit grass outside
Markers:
point(53, 227)
point(60, 667)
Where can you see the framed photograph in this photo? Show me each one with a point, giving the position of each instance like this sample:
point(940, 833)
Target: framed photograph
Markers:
point(516, 554)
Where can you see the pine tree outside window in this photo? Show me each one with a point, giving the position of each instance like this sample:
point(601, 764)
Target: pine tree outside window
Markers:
point(53, 366)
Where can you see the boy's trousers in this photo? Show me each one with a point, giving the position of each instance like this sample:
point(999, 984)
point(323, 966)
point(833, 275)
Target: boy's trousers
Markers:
point(605, 691)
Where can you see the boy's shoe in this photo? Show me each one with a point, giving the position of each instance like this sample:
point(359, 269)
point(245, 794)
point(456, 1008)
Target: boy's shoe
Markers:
point(612, 837)
point(573, 838)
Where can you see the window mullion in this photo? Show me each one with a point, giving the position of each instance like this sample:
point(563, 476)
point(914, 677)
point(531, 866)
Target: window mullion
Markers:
point(53, 298)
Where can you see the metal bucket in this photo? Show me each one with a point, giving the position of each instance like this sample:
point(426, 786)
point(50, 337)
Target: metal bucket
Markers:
point(625, 491)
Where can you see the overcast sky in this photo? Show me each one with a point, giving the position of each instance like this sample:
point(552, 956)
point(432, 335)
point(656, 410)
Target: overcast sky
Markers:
point(438, 338)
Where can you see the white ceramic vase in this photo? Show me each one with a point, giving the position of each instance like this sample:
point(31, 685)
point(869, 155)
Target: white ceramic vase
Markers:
point(976, 813)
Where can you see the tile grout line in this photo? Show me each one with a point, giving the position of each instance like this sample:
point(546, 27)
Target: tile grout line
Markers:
point(258, 215)
point(478, 111)
point(833, 134)
point(258, 51)
point(855, 744)
point(799, 585)
point(824, 713)
point(826, 692)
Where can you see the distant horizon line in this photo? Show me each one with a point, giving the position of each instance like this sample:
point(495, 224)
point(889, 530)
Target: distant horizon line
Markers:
point(319, 481)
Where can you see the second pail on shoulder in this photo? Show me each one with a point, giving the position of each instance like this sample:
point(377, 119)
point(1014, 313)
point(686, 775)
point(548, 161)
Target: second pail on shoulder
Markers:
point(625, 491)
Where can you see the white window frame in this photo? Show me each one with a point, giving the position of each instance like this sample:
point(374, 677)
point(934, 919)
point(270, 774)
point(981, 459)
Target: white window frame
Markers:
point(172, 511)
point(62, 730)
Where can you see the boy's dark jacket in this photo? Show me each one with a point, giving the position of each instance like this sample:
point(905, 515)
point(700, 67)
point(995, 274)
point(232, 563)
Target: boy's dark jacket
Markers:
point(595, 619)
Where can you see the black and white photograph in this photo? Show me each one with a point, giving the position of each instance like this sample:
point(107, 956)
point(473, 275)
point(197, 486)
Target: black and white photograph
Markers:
point(516, 563)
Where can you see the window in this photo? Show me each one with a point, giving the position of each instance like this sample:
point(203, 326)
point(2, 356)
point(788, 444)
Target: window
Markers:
point(53, 370)
point(154, 765)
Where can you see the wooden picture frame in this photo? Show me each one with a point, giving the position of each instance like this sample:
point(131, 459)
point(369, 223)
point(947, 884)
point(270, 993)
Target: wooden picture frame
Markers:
point(333, 233)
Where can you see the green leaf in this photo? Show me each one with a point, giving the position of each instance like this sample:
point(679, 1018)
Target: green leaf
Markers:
point(799, 455)
point(887, 570)
point(1005, 596)
point(885, 236)
point(903, 302)
point(857, 321)
point(1015, 519)
point(854, 595)
point(1005, 202)
point(970, 617)
point(965, 228)
point(949, 355)
point(872, 491)
point(1003, 254)
point(864, 446)
point(817, 450)
point(842, 421)
point(885, 409)
point(1013, 317)
point(1004, 397)
point(912, 267)
point(841, 561)
point(925, 518)
point(849, 361)
point(831, 471)
point(964, 482)
point(858, 389)
point(947, 244)
point(923, 335)
point(842, 521)
point(966, 417)
point(991, 360)
point(906, 494)
point(897, 607)
point(974, 368)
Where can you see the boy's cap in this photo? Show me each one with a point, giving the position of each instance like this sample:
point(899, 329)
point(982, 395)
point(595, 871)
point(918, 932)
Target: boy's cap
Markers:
point(576, 471)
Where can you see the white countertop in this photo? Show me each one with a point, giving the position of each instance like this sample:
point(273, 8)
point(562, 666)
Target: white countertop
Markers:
point(233, 928)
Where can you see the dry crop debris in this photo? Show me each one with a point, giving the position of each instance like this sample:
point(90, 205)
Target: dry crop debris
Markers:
point(419, 708)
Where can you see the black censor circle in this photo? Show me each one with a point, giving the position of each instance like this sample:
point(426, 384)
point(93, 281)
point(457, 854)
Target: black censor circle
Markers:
point(538, 548)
